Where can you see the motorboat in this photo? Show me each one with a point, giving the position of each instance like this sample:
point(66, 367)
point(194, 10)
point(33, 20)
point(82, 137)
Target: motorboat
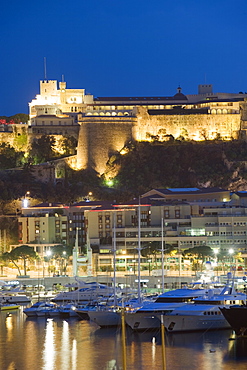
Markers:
point(14, 296)
point(147, 315)
point(42, 309)
point(67, 310)
point(8, 306)
point(105, 317)
point(87, 293)
point(204, 313)
point(236, 316)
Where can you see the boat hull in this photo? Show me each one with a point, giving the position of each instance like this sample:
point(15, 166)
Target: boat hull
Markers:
point(237, 318)
point(9, 307)
point(105, 318)
point(181, 323)
point(142, 320)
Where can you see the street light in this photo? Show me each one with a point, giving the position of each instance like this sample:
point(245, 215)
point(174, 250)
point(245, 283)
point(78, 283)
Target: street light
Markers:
point(149, 261)
point(25, 200)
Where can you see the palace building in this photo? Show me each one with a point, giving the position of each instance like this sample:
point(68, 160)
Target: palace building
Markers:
point(103, 125)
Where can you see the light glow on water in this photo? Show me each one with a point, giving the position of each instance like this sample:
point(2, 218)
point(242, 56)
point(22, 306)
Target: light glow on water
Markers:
point(49, 347)
point(80, 345)
point(74, 355)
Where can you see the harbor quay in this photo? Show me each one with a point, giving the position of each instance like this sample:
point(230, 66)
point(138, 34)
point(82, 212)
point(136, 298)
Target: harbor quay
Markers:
point(147, 283)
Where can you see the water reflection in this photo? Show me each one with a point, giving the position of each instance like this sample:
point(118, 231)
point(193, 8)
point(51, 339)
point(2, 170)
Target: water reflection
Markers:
point(55, 344)
point(49, 347)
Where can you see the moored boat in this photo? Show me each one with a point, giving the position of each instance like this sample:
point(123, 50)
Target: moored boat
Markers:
point(42, 309)
point(204, 313)
point(88, 292)
point(14, 296)
point(8, 306)
point(236, 316)
point(147, 315)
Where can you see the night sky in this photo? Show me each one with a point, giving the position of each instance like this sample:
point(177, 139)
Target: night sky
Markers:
point(121, 48)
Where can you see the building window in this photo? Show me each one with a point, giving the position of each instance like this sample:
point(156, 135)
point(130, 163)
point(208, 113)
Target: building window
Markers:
point(166, 213)
point(107, 218)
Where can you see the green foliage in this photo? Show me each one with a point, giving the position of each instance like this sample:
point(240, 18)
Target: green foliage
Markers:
point(201, 251)
point(58, 251)
point(175, 164)
point(23, 253)
point(21, 140)
point(61, 254)
point(9, 158)
point(42, 149)
point(69, 145)
point(16, 118)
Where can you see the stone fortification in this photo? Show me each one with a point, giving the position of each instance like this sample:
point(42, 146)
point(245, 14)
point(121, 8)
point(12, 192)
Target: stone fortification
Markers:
point(190, 126)
point(100, 137)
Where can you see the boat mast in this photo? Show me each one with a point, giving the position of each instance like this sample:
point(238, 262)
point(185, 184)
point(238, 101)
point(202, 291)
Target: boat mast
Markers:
point(114, 257)
point(139, 251)
point(162, 254)
point(75, 254)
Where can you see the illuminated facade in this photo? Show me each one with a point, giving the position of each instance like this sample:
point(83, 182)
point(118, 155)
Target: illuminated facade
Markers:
point(104, 125)
point(210, 220)
point(191, 217)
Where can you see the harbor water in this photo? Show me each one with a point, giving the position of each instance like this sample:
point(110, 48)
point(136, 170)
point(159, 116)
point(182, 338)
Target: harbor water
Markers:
point(58, 344)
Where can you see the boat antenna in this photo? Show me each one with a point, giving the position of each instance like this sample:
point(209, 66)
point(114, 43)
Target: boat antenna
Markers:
point(45, 69)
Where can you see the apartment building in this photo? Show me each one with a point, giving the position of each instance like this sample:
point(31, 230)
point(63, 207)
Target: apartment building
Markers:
point(188, 218)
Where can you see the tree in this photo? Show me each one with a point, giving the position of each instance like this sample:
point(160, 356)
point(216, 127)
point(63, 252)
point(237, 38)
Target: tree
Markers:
point(69, 145)
point(23, 253)
point(201, 252)
point(43, 149)
point(61, 254)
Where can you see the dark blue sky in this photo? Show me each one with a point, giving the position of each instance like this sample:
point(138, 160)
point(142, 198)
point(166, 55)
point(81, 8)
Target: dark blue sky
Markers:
point(121, 48)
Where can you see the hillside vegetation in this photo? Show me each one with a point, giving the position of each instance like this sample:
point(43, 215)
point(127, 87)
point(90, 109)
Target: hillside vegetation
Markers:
point(181, 164)
point(172, 164)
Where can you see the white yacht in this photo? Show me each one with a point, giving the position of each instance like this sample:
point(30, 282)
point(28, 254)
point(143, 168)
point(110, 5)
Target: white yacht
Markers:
point(204, 312)
point(88, 292)
point(14, 296)
point(107, 316)
point(147, 316)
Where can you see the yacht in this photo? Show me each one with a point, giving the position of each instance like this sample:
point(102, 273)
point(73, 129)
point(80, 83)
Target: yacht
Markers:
point(14, 296)
point(204, 313)
point(236, 316)
point(41, 309)
point(108, 316)
point(87, 293)
point(147, 315)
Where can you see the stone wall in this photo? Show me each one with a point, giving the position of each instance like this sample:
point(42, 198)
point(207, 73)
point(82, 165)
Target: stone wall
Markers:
point(100, 137)
point(191, 126)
